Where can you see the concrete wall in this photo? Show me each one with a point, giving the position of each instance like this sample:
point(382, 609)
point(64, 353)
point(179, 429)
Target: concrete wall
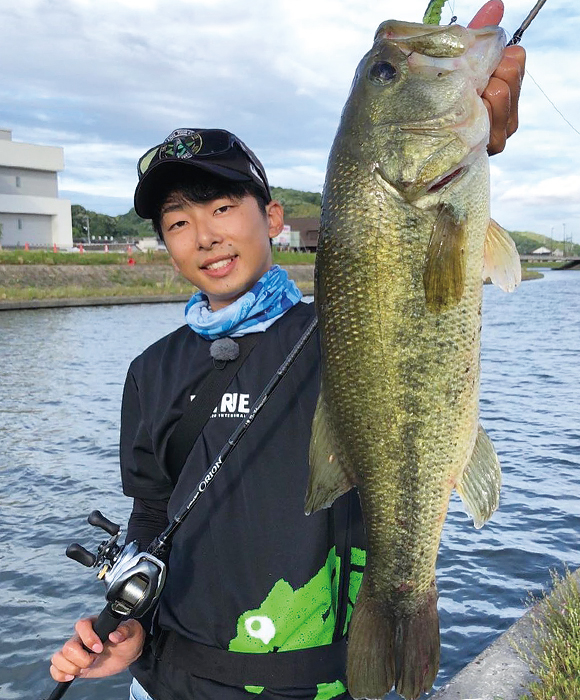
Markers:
point(501, 672)
point(30, 210)
point(38, 221)
point(18, 229)
point(14, 154)
point(20, 181)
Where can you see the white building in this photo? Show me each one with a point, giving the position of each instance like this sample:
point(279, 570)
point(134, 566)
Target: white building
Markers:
point(30, 210)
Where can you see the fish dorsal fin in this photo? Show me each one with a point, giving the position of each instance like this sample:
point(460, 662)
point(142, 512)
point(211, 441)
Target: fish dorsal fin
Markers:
point(444, 275)
point(328, 480)
point(480, 483)
point(501, 260)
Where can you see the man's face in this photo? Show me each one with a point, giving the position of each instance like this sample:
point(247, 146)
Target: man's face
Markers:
point(221, 246)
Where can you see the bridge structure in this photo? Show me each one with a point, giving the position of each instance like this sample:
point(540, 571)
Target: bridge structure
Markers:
point(568, 262)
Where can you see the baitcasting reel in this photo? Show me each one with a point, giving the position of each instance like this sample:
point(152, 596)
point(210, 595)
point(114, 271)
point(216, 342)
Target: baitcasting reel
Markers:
point(134, 579)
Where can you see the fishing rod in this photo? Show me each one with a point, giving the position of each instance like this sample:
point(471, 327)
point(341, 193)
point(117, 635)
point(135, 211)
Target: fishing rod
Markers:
point(135, 579)
point(517, 35)
point(433, 16)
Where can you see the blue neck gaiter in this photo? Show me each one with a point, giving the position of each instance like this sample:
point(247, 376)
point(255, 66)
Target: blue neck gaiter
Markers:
point(272, 295)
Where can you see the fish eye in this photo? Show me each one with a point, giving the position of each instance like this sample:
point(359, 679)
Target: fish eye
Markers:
point(382, 72)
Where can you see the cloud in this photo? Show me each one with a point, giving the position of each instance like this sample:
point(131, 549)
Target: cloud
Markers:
point(108, 80)
point(554, 190)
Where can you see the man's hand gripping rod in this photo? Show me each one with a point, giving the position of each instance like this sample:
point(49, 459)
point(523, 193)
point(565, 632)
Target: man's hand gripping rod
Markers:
point(135, 579)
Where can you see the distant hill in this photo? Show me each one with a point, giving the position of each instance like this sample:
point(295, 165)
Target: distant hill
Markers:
point(297, 203)
point(102, 227)
point(528, 241)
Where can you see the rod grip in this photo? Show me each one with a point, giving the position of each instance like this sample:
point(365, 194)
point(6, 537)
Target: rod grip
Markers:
point(106, 623)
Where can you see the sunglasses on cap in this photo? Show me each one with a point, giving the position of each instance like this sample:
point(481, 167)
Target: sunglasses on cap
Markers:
point(185, 144)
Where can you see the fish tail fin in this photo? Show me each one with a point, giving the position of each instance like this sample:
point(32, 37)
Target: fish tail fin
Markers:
point(328, 478)
point(417, 649)
point(371, 636)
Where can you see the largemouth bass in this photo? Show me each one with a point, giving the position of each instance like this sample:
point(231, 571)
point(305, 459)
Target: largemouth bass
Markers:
point(405, 240)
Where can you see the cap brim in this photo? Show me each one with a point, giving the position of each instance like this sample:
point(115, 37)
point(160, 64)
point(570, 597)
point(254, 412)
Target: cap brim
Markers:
point(164, 172)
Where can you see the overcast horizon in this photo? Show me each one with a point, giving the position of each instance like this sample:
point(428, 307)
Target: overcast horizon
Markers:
point(107, 82)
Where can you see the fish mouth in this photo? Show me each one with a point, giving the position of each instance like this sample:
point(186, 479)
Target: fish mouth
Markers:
point(411, 191)
point(456, 172)
point(445, 180)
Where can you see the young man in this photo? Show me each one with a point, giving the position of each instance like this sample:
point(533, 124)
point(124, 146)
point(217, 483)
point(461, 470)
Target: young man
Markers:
point(249, 574)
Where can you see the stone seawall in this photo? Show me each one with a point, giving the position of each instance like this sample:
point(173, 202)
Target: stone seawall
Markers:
point(46, 276)
point(50, 276)
point(69, 284)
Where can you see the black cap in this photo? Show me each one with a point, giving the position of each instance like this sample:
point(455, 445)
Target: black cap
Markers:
point(212, 150)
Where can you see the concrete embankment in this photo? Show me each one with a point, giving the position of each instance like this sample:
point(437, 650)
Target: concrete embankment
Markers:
point(99, 285)
point(498, 673)
point(501, 671)
point(51, 286)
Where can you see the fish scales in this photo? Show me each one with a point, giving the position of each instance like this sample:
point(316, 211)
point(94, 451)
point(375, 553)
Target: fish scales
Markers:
point(392, 377)
point(398, 290)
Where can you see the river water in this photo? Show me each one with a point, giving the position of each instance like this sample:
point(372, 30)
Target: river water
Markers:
point(61, 378)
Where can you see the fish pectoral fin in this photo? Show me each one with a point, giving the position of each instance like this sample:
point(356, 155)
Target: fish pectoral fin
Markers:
point(501, 260)
point(328, 480)
point(444, 274)
point(480, 483)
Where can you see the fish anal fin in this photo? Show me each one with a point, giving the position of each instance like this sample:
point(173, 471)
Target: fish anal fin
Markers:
point(501, 260)
point(444, 273)
point(328, 479)
point(479, 485)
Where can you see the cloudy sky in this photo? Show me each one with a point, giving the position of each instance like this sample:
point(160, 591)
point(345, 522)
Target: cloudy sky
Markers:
point(107, 79)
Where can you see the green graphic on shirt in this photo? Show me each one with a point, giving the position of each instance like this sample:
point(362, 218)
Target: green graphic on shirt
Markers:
point(326, 691)
point(292, 619)
point(296, 619)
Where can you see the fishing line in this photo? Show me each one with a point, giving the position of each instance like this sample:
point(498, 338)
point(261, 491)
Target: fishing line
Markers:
point(550, 101)
point(517, 35)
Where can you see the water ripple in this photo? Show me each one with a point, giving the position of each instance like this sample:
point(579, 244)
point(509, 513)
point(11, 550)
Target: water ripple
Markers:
point(59, 424)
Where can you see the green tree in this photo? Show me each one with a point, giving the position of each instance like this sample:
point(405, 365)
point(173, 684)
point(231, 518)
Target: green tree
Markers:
point(297, 203)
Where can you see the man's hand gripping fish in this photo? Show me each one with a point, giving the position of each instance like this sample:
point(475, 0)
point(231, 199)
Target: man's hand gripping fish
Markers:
point(406, 239)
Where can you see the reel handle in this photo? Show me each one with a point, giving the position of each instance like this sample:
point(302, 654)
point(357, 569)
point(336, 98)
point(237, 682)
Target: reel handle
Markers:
point(97, 519)
point(79, 553)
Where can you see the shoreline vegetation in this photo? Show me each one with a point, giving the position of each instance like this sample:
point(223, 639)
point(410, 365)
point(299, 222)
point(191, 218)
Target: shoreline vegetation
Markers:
point(30, 276)
point(553, 652)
